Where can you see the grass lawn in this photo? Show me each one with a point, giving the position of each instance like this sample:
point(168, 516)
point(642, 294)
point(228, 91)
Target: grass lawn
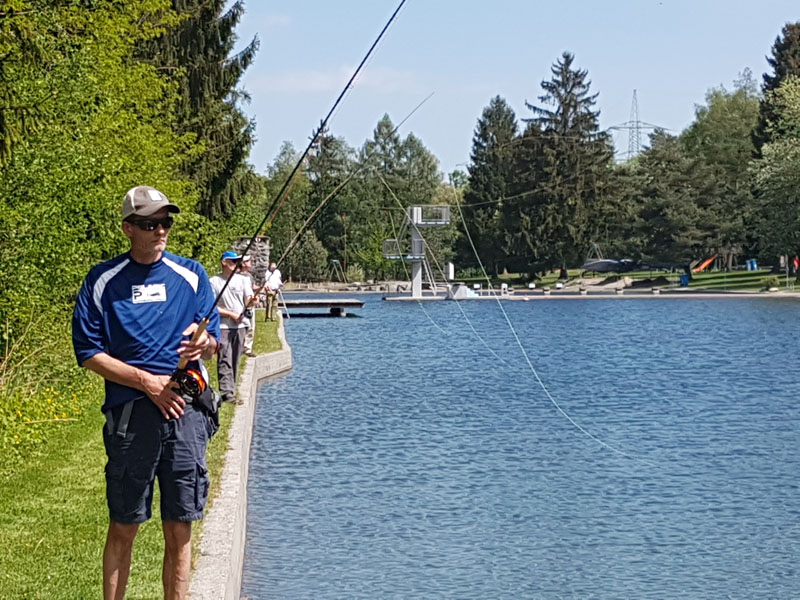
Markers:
point(54, 516)
point(710, 280)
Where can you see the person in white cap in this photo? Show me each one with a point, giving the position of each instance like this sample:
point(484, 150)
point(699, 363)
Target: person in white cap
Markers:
point(133, 320)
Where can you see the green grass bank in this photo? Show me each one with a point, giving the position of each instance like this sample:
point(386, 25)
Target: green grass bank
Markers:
point(54, 517)
point(733, 281)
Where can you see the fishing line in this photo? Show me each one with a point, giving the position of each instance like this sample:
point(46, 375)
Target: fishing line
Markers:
point(269, 215)
point(441, 271)
point(405, 269)
point(364, 163)
point(530, 364)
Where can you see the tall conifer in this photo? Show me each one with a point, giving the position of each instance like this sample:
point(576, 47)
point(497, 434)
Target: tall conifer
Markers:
point(785, 62)
point(563, 162)
point(489, 179)
point(197, 52)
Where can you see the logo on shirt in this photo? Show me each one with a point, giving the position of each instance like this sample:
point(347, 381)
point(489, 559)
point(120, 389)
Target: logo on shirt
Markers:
point(154, 292)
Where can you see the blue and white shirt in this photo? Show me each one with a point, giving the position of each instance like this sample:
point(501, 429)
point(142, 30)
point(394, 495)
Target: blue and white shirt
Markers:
point(137, 313)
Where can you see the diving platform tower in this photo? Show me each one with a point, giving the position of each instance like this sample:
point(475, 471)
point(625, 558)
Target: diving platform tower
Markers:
point(417, 218)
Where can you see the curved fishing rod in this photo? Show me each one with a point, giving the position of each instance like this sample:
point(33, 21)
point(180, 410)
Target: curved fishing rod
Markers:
point(364, 163)
point(185, 380)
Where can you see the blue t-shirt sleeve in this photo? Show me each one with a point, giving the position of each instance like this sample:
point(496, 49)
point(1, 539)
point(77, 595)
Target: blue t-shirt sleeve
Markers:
point(87, 325)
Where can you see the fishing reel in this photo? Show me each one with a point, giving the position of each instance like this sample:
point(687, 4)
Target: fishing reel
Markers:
point(191, 382)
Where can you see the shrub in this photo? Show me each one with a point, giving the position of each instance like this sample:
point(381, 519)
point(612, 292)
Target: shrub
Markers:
point(770, 282)
point(355, 273)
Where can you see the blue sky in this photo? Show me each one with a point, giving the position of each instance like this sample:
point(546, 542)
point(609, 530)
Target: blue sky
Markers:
point(466, 52)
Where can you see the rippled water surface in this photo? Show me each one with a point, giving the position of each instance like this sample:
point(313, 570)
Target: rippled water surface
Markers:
point(407, 457)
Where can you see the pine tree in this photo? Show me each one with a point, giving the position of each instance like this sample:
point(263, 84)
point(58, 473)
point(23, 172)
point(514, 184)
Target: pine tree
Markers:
point(565, 161)
point(678, 204)
point(196, 52)
point(490, 174)
point(785, 62)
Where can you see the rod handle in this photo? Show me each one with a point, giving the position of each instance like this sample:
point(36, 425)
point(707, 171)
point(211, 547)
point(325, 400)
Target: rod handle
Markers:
point(201, 327)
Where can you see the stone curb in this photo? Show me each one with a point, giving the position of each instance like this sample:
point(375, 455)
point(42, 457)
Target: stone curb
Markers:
point(218, 572)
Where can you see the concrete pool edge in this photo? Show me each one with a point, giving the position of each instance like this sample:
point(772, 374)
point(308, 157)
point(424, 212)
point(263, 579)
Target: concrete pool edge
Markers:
point(218, 570)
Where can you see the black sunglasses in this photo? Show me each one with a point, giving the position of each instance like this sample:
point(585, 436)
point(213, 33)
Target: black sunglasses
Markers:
point(152, 224)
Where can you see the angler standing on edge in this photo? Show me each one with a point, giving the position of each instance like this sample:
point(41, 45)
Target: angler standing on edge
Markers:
point(132, 320)
point(274, 284)
point(234, 291)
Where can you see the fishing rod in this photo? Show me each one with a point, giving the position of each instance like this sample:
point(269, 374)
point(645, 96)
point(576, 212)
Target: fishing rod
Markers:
point(364, 163)
point(192, 383)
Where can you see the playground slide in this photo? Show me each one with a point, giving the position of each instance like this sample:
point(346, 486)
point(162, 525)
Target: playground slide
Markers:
point(704, 265)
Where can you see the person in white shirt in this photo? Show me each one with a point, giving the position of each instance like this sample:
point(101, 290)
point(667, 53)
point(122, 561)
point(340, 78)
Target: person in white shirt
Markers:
point(247, 271)
point(274, 285)
point(233, 325)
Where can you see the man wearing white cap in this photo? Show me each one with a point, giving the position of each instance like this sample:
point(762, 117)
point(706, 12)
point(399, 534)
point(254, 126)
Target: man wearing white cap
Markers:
point(133, 320)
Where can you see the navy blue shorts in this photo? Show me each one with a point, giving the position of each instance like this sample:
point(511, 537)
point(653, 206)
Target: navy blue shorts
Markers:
point(173, 451)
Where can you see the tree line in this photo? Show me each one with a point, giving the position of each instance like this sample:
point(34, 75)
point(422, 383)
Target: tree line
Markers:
point(541, 192)
point(97, 96)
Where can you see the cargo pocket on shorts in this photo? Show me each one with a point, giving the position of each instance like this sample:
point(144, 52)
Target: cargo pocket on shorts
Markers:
point(212, 425)
point(126, 493)
point(201, 488)
point(115, 492)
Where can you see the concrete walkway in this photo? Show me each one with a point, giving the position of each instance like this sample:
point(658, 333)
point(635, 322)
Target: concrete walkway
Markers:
point(218, 572)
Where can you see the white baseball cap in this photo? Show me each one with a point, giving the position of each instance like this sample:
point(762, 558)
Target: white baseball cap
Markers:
point(144, 201)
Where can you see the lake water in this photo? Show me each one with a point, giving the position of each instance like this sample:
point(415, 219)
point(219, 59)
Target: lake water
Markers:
point(407, 456)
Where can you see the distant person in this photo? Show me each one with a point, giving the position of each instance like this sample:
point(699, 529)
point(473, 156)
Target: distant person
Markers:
point(274, 285)
point(249, 320)
point(231, 309)
point(132, 323)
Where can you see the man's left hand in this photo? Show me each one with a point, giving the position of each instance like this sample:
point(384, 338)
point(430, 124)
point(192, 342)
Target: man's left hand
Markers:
point(202, 347)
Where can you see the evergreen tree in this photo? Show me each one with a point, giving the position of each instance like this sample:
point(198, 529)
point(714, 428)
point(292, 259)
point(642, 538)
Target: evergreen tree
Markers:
point(197, 53)
point(294, 209)
point(399, 173)
point(617, 221)
point(676, 220)
point(328, 168)
point(785, 62)
point(490, 174)
point(565, 161)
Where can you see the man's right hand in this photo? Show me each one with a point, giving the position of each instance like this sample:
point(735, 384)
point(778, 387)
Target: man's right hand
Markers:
point(159, 389)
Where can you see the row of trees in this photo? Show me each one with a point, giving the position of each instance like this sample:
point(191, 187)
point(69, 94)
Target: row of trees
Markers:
point(541, 190)
point(97, 96)
point(538, 198)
